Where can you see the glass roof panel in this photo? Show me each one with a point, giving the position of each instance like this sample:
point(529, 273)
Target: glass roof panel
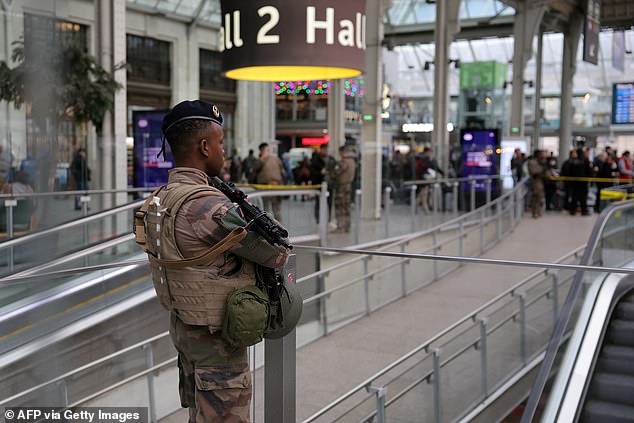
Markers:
point(407, 75)
point(203, 11)
point(411, 12)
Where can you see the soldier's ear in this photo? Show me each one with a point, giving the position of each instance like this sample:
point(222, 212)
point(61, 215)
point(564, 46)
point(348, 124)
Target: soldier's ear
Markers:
point(203, 146)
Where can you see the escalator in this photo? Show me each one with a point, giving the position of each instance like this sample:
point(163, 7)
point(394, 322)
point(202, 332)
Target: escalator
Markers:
point(587, 374)
point(610, 394)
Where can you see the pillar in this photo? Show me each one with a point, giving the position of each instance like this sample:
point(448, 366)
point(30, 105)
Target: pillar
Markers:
point(371, 129)
point(568, 66)
point(105, 23)
point(336, 116)
point(447, 26)
point(538, 91)
point(255, 115)
point(528, 18)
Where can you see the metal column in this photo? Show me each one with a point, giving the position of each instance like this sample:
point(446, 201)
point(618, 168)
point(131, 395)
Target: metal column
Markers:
point(568, 66)
point(280, 369)
point(371, 129)
point(447, 25)
point(538, 91)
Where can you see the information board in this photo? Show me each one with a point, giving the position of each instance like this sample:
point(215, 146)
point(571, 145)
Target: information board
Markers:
point(623, 103)
point(480, 156)
point(150, 170)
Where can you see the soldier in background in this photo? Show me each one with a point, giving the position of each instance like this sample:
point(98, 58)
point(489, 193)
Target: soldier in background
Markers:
point(214, 379)
point(343, 175)
point(537, 167)
point(269, 171)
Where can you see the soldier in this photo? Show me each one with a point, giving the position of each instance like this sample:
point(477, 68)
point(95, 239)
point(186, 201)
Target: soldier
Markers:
point(537, 170)
point(269, 171)
point(344, 175)
point(195, 265)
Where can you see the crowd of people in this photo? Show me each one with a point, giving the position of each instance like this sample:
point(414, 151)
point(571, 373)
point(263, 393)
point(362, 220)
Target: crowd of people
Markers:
point(269, 169)
point(578, 173)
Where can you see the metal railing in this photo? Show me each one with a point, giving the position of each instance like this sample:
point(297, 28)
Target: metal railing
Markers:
point(508, 310)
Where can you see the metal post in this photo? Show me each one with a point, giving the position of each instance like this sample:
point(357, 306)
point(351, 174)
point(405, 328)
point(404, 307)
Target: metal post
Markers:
point(522, 300)
point(323, 214)
point(434, 240)
point(437, 198)
point(366, 284)
point(403, 275)
point(63, 391)
point(149, 363)
point(412, 203)
point(482, 231)
point(455, 197)
point(555, 295)
point(380, 402)
point(9, 205)
point(484, 367)
point(512, 209)
point(357, 206)
point(488, 188)
point(498, 223)
point(437, 391)
point(461, 242)
point(472, 193)
point(84, 200)
point(386, 202)
point(322, 303)
point(280, 369)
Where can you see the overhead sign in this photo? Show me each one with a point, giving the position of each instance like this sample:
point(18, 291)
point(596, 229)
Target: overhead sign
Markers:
point(623, 103)
point(591, 32)
point(276, 40)
point(482, 75)
point(618, 50)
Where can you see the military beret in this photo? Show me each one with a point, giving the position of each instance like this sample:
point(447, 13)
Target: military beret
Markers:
point(188, 110)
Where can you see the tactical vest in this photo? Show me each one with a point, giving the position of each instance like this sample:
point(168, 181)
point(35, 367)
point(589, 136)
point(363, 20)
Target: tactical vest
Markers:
point(191, 288)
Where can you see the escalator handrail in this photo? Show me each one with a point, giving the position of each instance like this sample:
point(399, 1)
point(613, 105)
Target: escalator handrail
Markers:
point(566, 311)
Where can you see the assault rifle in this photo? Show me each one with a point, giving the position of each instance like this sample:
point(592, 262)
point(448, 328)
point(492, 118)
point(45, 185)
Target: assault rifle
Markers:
point(262, 224)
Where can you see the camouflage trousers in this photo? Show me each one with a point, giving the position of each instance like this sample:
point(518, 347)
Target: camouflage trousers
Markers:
point(342, 206)
point(214, 382)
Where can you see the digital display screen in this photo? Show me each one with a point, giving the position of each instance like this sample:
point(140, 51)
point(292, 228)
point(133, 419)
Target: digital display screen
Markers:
point(480, 156)
point(150, 170)
point(623, 103)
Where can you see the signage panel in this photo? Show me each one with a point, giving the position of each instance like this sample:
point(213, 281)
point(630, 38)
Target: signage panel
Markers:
point(480, 156)
point(591, 32)
point(623, 103)
point(150, 170)
point(272, 40)
point(618, 50)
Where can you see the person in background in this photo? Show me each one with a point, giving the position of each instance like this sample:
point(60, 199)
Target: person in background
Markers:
point(248, 167)
point(288, 170)
point(516, 166)
point(343, 176)
point(321, 167)
point(269, 171)
point(606, 169)
point(235, 167)
point(537, 166)
point(550, 186)
point(625, 167)
point(80, 172)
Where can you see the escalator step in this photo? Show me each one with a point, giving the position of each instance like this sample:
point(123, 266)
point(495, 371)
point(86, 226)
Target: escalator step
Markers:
point(616, 359)
point(612, 387)
point(624, 311)
point(607, 412)
point(621, 332)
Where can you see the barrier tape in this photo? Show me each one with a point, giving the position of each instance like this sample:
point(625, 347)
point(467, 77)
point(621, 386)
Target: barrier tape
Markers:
point(580, 179)
point(615, 195)
point(280, 187)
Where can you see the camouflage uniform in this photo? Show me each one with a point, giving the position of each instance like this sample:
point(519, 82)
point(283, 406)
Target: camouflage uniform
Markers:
point(214, 381)
point(537, 171)
point(344, 175)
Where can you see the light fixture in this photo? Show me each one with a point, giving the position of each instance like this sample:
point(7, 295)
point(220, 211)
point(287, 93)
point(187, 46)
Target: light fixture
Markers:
point(276, 41)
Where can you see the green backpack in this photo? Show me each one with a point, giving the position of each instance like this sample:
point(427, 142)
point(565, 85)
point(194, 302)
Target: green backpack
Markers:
point(269, 309)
